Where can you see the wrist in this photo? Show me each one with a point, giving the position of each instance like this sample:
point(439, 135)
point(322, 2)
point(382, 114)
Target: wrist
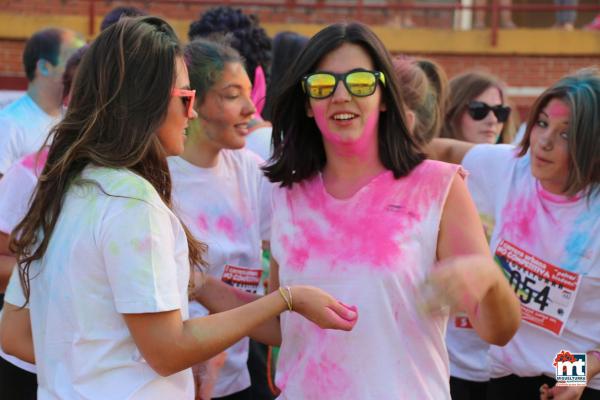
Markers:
point(287, 297)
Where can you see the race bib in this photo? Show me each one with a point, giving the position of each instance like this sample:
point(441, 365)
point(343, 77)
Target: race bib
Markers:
point(461, 320)
point(547, 292)
point(242, 278)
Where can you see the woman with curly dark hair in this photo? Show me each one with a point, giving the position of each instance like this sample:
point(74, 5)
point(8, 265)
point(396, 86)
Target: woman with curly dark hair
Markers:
point(247, 37)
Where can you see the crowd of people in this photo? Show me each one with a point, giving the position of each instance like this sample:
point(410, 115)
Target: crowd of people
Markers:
point(175, 217)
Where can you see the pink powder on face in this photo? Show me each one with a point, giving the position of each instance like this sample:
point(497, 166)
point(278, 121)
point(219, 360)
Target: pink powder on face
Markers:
point(365, 145)
point(225, 224)
point(557, 109)
point(35, 162)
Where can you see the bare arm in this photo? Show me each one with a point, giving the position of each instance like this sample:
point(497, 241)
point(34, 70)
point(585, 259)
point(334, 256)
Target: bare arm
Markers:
point(15, 332)
point(170, 345)
point(7, 261)
point(273, 275)
point(217, 296)
point(448, 150)
point(467, 275)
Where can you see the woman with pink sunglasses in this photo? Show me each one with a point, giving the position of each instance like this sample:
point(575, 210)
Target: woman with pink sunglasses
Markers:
point(100, 297)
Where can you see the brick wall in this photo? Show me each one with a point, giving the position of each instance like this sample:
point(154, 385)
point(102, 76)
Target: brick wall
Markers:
point(277, 12)
point(11, 52)
point(517, 70)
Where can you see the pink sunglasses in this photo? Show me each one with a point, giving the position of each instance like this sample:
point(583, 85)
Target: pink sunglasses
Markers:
point(187, 98)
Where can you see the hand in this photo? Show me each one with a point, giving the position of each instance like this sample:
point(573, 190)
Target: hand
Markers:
point(321, 308)
point(561, 392)
point(460, 283)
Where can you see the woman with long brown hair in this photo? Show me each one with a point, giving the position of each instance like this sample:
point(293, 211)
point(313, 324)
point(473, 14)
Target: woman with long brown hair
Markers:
point(104, 263)
point(476, 111)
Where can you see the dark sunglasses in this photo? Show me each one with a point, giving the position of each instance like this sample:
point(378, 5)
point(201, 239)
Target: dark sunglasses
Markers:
point(358, 82)
point(187, 98)
point(478, 110)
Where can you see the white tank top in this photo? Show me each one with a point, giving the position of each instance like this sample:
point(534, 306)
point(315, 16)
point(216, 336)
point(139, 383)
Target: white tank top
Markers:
point(373, 250)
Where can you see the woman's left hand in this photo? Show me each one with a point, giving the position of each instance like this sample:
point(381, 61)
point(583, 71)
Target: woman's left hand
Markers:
point(460, 283)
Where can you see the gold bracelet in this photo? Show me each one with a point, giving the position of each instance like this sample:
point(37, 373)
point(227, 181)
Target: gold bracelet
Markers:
point(289, 290)
point(287, 301)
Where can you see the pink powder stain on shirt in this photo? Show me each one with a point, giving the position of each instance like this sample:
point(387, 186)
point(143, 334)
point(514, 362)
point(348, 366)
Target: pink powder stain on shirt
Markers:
point(325, 379)
point(144, 245)
point(518, 217)
point(201, 222)
point(35, 162)
point(365, 145)
point(296, 253)
point(365, 229)
point(225, 224)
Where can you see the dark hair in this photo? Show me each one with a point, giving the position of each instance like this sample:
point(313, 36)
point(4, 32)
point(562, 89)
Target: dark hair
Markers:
point(297, 141)
point(421, 97)
point(248, 38)
point(581, 93)
point(43, 45)
point(71, 68)
point(286, 47)
point(117, 106)
point(205, 60)
point(464, 88)
point(117, 13)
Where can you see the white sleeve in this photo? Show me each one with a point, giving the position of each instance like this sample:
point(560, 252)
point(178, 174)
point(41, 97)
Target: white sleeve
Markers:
point(16, 188)
point(489, 167)
point(15, 294)
point(138, 245)
point(9, 146)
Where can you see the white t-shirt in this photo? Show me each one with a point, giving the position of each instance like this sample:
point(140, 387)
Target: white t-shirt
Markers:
point(24, 127)
point(227, 207)
point(548, 246)
point(110, 254)
point(16, 188)
point(373, 250)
